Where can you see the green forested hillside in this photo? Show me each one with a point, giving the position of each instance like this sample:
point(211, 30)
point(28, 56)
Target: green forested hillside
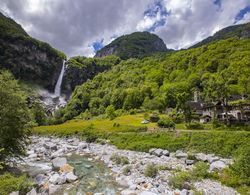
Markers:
point(240, 31)
point(137, 44)
point(80, 69)
point(217, 70)
point(27, 58)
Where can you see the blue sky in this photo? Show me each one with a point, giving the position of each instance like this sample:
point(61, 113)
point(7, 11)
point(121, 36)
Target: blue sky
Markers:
point(81, 27)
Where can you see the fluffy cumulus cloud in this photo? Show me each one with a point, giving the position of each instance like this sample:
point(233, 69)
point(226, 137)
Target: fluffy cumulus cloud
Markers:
point(81, 27)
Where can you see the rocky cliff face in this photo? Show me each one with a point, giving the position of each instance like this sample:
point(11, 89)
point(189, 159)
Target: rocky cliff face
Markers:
point(28, 59)
point(80, 69)
point(138, 44)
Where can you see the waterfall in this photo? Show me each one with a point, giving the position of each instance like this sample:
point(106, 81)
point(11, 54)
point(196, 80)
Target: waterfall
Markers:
point(57, 90)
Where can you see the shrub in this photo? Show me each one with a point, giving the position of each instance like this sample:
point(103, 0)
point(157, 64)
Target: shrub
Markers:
point(119, 159)
point(195, 125)
point(110, 112)
point(200, 171)
point(10, 183)
point(154, 118)
point(178, 180)
point(127, 170)
point(166, 123)
point(151, 170)
point(14, 117)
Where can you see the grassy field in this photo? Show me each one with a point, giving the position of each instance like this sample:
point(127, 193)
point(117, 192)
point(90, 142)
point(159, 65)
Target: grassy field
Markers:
point(127, 132)
point(125, 123)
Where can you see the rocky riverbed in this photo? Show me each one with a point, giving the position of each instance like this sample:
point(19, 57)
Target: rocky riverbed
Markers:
point(71, 166)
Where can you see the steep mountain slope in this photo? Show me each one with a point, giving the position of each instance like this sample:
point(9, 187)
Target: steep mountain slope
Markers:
point(157, 82)
point(80, 69)
point(27, 58)
point(240, 31)
point(138, 44)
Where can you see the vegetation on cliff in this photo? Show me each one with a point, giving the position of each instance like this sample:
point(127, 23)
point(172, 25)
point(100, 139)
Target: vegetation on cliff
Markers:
point(138, 44)
point(163, 80)
point(27, 58)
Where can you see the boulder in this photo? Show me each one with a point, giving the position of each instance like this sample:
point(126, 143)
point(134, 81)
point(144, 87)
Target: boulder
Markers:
point(50, 146)
point(59, 162)
point(32, 192)
point(151, 150)
point(165, 153)
point(201, 157)
point(180, 154)
point(32, 156)
point(58, 153)
point(70, 177)
point(217, 165)
point(158, 152)
point(57, 179)
point(82, 146)
point(189, 162)
point(147, 193)
point(40, 150)
point(128, 192)
point(40, 179)
point(66, 169)
point(14, 193)
point(212, 159)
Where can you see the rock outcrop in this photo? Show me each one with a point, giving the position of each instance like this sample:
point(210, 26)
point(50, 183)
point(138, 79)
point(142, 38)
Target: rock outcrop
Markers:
point(138, 44)
point(28, 59)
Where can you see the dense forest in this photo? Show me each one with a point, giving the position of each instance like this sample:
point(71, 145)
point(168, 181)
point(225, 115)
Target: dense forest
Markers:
point(158, 82)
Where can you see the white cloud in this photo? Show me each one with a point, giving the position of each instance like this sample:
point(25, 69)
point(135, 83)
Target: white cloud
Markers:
point(72, 26)
point(192, 21)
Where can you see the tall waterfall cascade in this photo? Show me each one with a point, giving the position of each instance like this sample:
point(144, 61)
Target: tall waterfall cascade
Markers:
point(57, 90)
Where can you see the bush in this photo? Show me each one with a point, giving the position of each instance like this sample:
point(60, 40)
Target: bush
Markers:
point(151, 170)
point(14, 117)
point(154, 118)
point(10, 183)
point(195, 125)
point(200, 171)
point(166, 123)
point(119, 159)
point(178, 180)
point(110, 112)
point(127, 170)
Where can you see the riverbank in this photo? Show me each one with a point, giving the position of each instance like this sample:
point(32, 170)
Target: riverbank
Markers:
point(128, 174)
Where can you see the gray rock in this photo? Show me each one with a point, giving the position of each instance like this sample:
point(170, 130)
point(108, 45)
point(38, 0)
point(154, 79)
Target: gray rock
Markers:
point(147, 193)
point(32, 156)
point(180, 154)
point(128, 192)
point(40, 179)
point(165, 153)
point(189, 162)
point(58, 153)
point(184, 192)
point(50, 146)
point(14, 193)
point(158, 152)
point(151, 150)
point(70, 177)
point(40, 150)
point(57, 179)
point(217, 165)
point(82, 146)
point(32, 192)
point(59, 162)
point(211, 159)
point(201, 157)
